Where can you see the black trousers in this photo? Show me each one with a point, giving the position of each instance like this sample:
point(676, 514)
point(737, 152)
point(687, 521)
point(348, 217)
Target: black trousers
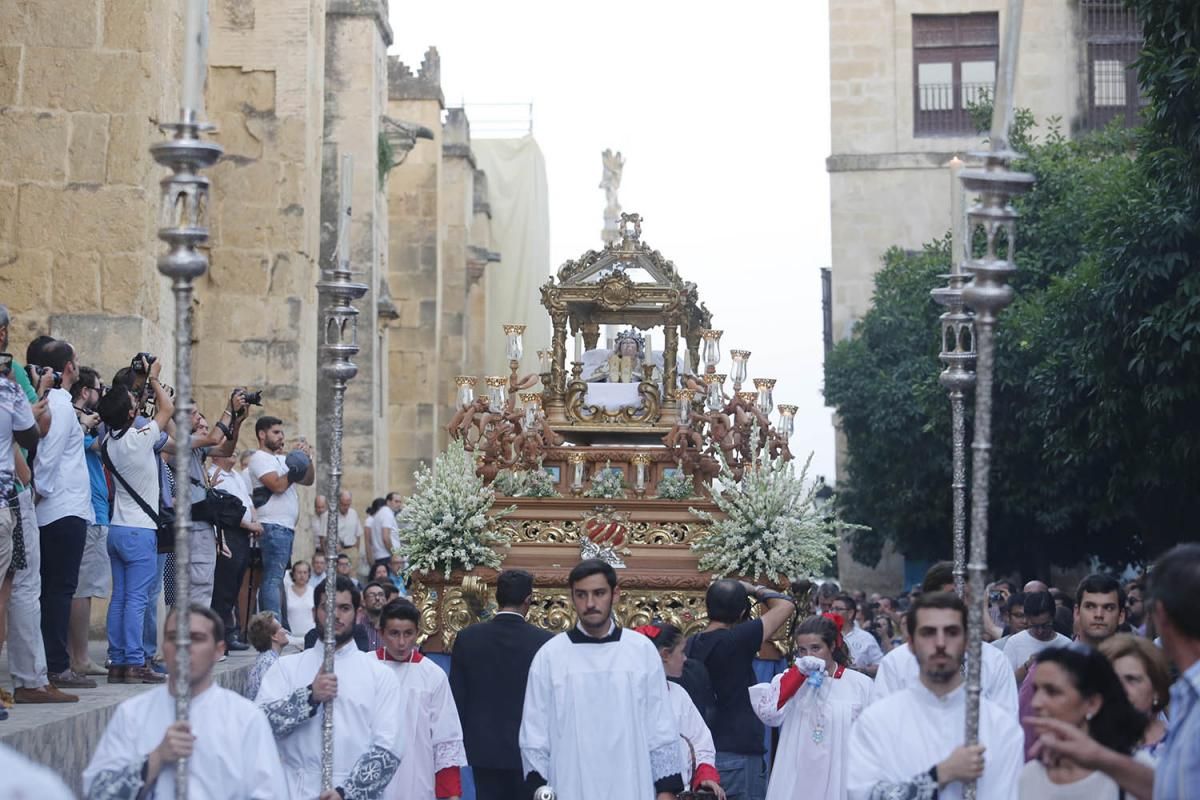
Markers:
point(499, 784)
point(62, 551)
point(227, 579)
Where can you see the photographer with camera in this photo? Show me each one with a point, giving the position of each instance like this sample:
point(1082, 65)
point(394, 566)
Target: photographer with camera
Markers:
point(64, 511)
point(129, 453)
point(95, 572)
point(218, 440)
point(273, 476)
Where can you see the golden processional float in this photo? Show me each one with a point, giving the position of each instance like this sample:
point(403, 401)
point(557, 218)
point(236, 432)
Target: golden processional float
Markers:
point(625, 419)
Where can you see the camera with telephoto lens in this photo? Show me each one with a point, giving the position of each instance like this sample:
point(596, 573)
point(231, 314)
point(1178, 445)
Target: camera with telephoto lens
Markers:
point(995, 598)
point(35, 373)
point(253, 398)
point(141, 363)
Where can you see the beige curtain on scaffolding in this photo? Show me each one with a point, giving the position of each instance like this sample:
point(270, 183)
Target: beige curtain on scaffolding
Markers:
point(517, 193)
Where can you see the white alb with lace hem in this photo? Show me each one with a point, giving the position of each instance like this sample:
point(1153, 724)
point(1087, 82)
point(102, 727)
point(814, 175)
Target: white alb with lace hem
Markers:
point(431, 729)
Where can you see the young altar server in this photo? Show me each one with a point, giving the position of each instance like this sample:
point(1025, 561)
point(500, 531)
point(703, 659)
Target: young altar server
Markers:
point(227, 741)
point(597, 723)
point(910, 744)
point(696, 746)
point(816, 701)
point(367, 712)
point(433, 738)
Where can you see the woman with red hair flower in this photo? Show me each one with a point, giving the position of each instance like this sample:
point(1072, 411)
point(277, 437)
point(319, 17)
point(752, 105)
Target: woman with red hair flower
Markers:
point(816, 701)
point(699, 755)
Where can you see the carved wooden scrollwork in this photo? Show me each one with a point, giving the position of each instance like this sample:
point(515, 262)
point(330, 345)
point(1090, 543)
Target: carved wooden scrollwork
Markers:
point(568, 531)
point(647, 412)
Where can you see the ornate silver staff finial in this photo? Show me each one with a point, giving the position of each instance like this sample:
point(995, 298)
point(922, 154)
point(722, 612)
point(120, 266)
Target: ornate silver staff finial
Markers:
point(184, 227)
point(988, 293)
point(339, 344)
point(957, 328)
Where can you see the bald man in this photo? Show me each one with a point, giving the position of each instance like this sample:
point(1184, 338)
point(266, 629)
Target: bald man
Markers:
point(350, 532)
point(1035, 586)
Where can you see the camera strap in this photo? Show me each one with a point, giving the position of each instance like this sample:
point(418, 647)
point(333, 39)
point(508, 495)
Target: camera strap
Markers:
point(137, 498)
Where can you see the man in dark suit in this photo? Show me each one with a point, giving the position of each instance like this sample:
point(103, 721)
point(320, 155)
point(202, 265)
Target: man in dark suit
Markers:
point(488, 673)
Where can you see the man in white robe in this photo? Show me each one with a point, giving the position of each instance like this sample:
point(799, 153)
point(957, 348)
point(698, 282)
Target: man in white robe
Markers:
point(367, 712)
point(433, 737)
point(227, 741)
point(910, 744)
point(899, 670)
point(597, 723)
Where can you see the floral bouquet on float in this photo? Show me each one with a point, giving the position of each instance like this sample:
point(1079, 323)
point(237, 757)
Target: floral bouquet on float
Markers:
point(448, 522)
point(772, 528)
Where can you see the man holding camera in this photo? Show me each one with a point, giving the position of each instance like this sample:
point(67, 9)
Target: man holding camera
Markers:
point(218, 440)
point(64, 512)
point(273, 476)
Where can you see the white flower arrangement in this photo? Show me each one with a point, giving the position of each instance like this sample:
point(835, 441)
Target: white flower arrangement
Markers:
point(524, 483)
point(608, 484)
point(772, 526)
point(676, 486)
point(448, 521)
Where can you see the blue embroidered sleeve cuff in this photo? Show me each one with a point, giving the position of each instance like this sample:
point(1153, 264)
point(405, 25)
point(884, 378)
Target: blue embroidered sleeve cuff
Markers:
point(289, 713)
point(921, 787)
point(370, 775)
point(118, 784)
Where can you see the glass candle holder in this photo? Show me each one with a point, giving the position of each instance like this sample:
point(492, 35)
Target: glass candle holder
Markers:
point(466, 390)
point(685, 404)
point(787, 419)
point(543, 360)
point(497, 391)
point(738, 373)
point(765, 387)
point(513, 347)
point(715, 383)
point(749, 398)
point(531, 402)
point(712, 348)
point(577, 460)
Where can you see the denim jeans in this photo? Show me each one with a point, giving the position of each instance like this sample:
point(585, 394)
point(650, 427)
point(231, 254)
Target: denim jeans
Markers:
point(134, 563)
point(276, 544)
point(743, 777)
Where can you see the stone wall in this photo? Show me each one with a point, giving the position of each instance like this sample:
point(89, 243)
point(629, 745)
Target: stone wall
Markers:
point(415, 253)
point(256, 320)
point(81, 85)
point(356, 39)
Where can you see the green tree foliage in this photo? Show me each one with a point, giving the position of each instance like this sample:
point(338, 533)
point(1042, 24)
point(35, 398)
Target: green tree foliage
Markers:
point(1097, 422)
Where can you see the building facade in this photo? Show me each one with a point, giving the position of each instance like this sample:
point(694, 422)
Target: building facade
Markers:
point(292, 85)
point(903, 76)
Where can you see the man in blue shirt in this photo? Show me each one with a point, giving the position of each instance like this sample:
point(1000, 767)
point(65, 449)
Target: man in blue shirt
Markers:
point(95, 570)
point(1174, 592)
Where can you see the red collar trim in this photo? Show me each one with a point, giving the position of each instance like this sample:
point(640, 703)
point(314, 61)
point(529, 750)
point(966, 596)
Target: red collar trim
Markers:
point(838, 672)
point(383, 655)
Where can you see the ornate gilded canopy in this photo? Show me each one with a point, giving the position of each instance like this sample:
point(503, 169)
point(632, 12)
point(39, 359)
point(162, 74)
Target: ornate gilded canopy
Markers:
point(627, 283)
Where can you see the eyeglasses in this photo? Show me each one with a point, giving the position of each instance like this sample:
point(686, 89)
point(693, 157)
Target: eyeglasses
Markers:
point(839, 609)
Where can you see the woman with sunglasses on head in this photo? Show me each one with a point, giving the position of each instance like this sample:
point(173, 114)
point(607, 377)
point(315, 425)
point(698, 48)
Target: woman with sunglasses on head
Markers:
point(816, 701)
point(1077, 685)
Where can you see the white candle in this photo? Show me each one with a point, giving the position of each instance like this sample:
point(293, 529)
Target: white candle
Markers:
point(579, 345)
point(195, 45)
point(649, 349)
point(958, 217)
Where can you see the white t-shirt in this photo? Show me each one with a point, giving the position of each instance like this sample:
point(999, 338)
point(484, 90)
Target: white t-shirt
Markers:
point(132, 454)
point(59, 469)
point(15, 415)
point(383, 533)
point(283, 508)
point(1022, 645)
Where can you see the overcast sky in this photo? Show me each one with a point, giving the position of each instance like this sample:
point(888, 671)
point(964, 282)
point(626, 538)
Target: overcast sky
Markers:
point(722, 114)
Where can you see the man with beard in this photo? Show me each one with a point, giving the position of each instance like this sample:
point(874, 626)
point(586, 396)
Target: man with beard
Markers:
point(367, 744)
point(597, 722)
point(909, 744)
